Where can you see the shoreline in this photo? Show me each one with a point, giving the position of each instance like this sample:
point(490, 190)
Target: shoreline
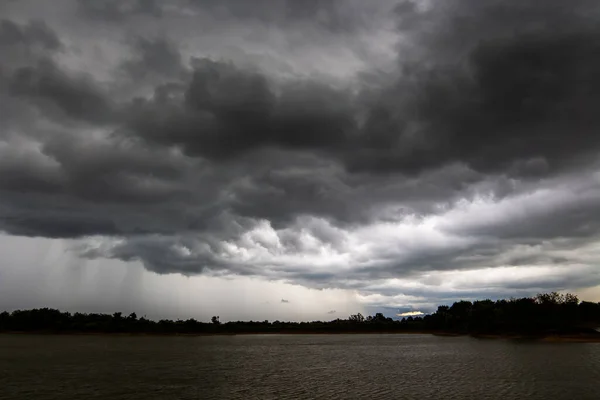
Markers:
point(49, 333)
point(583, 338)
point(550, 338)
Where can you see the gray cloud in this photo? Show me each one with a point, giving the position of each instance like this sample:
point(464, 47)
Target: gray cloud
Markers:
point(476, 150)
point(154, 56)
point(489, 87)
point(118, 10)
point(330, 15)
point(486, 108)
point(73, 97)
point(33, 34)
point(226, 111)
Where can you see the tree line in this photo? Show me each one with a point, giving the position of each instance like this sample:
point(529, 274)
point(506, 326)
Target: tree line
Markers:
point(542, 314)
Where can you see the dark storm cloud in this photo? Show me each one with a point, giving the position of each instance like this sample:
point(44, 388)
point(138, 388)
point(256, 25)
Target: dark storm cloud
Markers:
point(336, 17)
point(331, 15)
point(33, 33)
point(211, 166)
point(57, 226)
point(29, 71)
point(21, 44)
point(503, 103)
point(489, 86)
point(226, 111)
point(118, 10)
point(154, 56)
point(55, 91)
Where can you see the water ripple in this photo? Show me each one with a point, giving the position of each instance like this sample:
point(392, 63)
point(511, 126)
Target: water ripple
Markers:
point(294, 367)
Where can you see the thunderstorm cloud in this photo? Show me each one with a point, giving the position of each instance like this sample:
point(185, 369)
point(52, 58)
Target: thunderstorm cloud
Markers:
point(407, 152)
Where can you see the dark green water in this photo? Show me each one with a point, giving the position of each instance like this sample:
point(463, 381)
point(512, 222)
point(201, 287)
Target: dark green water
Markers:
point(295, 367)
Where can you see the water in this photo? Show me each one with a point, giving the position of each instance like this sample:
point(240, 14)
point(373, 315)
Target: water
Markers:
point(295, 367)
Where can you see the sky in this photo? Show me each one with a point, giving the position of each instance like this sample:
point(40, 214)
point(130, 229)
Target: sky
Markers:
point(296, 160)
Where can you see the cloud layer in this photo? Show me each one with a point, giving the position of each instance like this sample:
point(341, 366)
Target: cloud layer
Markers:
point(411, 151)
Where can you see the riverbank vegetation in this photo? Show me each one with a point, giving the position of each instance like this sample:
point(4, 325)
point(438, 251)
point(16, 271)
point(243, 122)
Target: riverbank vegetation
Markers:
point(542, 315)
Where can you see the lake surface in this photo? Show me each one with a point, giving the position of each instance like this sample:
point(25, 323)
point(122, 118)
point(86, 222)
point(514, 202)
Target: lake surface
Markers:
point(295, 367)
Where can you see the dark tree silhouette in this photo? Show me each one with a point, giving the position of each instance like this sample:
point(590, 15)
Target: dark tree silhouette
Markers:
point(357, 318)
point(548, 313)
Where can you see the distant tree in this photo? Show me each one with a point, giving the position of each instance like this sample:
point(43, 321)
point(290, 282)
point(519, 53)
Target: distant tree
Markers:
point(215, 320)
point(571, 299)
point(379, 317)
point(357, 318)
point(4, 320)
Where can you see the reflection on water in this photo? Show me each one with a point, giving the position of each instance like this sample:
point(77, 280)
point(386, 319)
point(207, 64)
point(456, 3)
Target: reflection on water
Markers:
point(294, 366)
